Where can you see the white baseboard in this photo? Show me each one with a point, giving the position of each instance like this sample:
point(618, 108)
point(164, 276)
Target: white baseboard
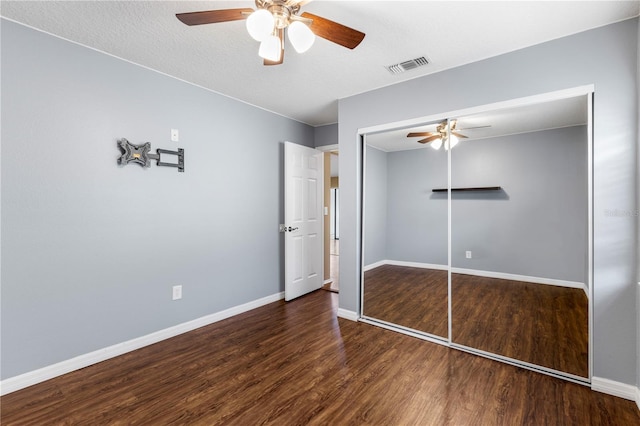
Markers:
point(611, 387)
point(375, 265)
point(525, 278)
point(479, 273)
point(347, 314)
point(403, 263)
point(22, 381)
point(638, 398)
point(417, 265)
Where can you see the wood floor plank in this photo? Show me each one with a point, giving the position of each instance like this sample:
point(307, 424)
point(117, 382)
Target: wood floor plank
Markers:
point(296, 363)
point(412, 297)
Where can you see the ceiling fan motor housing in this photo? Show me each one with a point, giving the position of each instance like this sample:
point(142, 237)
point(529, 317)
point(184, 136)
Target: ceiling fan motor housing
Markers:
point(282, 10)
point(280, 14)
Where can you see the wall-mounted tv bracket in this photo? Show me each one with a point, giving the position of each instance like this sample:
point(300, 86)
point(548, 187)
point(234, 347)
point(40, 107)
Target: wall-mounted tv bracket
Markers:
point(140, 154)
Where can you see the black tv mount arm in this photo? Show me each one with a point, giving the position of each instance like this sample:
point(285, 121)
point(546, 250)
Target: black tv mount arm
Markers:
point(140, 154)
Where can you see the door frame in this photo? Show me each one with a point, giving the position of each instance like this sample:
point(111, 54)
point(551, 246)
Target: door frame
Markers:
point(326, 256)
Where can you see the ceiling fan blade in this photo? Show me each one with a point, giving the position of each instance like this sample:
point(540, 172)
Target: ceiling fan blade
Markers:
point(281, 60)
point(429, 139)
point(416, 134)
point(213, 16)
point(332, 31)
point(460, 135)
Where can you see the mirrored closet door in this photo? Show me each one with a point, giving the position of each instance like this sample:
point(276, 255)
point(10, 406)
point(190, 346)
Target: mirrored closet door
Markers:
point(477, 231)
point(405, 252)
point(519, 234)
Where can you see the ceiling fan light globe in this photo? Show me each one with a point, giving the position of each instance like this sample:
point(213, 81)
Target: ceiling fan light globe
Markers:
point(436, 144)
point(300, 36)
point(270, 48)
point(260, 24)
point(453, 141)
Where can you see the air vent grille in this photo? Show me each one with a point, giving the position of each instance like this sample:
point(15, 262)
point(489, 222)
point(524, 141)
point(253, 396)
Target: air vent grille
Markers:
point(408, 65)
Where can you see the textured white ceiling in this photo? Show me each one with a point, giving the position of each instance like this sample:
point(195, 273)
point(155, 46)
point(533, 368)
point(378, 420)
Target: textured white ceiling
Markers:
point(222, 57)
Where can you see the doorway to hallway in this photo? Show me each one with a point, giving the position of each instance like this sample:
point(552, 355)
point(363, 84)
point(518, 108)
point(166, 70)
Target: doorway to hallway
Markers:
point(332, 284)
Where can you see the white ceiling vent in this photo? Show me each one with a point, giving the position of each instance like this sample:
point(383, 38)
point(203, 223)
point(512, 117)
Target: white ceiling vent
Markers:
point(407, 65)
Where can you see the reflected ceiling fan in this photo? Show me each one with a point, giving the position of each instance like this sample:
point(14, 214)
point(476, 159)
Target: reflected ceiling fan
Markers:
point(443, 135)
point(267, 25)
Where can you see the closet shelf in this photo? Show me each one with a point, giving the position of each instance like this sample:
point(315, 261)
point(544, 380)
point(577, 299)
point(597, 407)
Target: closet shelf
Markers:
point(479, 188)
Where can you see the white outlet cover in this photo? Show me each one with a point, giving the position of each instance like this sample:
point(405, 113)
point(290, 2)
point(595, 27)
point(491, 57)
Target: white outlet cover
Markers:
point(175, 135)
point(177, 292)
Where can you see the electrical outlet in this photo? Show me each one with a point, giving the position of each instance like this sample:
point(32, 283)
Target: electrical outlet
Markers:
point(468, 254)
point(175, 135)
point(177, 292)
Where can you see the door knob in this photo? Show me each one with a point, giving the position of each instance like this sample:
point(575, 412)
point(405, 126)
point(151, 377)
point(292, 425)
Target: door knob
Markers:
point(284, 228)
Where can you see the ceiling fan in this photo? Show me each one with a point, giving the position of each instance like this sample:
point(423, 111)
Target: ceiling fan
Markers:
point(267, 25)
point(443, 135)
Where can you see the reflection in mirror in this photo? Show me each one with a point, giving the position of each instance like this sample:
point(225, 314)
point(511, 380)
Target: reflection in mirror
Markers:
point(519, 253)
point(405, 232)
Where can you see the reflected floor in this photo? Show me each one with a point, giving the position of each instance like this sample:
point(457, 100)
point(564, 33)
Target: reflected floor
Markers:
point(541, 324)
point(412, 297)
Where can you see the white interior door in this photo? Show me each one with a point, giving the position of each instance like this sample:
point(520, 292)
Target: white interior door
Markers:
point(303, 199)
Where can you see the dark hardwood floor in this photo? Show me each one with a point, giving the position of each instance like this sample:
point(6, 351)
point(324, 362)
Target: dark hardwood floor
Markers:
point(295, 363)
point(536, 323)
point(540, 324)
point(411, 297)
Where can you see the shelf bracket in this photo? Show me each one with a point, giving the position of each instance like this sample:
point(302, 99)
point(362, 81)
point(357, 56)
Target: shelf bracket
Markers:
point(478, 188)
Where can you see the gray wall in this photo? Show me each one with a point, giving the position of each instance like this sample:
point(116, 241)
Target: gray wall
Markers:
point(91, 250)
point(638, 212)
point(375, 225)
point(417, 222)
point(605, 57)
point(326, 135)
point(536, 226)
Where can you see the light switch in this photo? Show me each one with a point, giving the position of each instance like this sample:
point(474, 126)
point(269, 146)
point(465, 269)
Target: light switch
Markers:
point(175, 135)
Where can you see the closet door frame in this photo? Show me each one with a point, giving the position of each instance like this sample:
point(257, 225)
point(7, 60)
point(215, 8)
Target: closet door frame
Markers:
point(589, 92)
